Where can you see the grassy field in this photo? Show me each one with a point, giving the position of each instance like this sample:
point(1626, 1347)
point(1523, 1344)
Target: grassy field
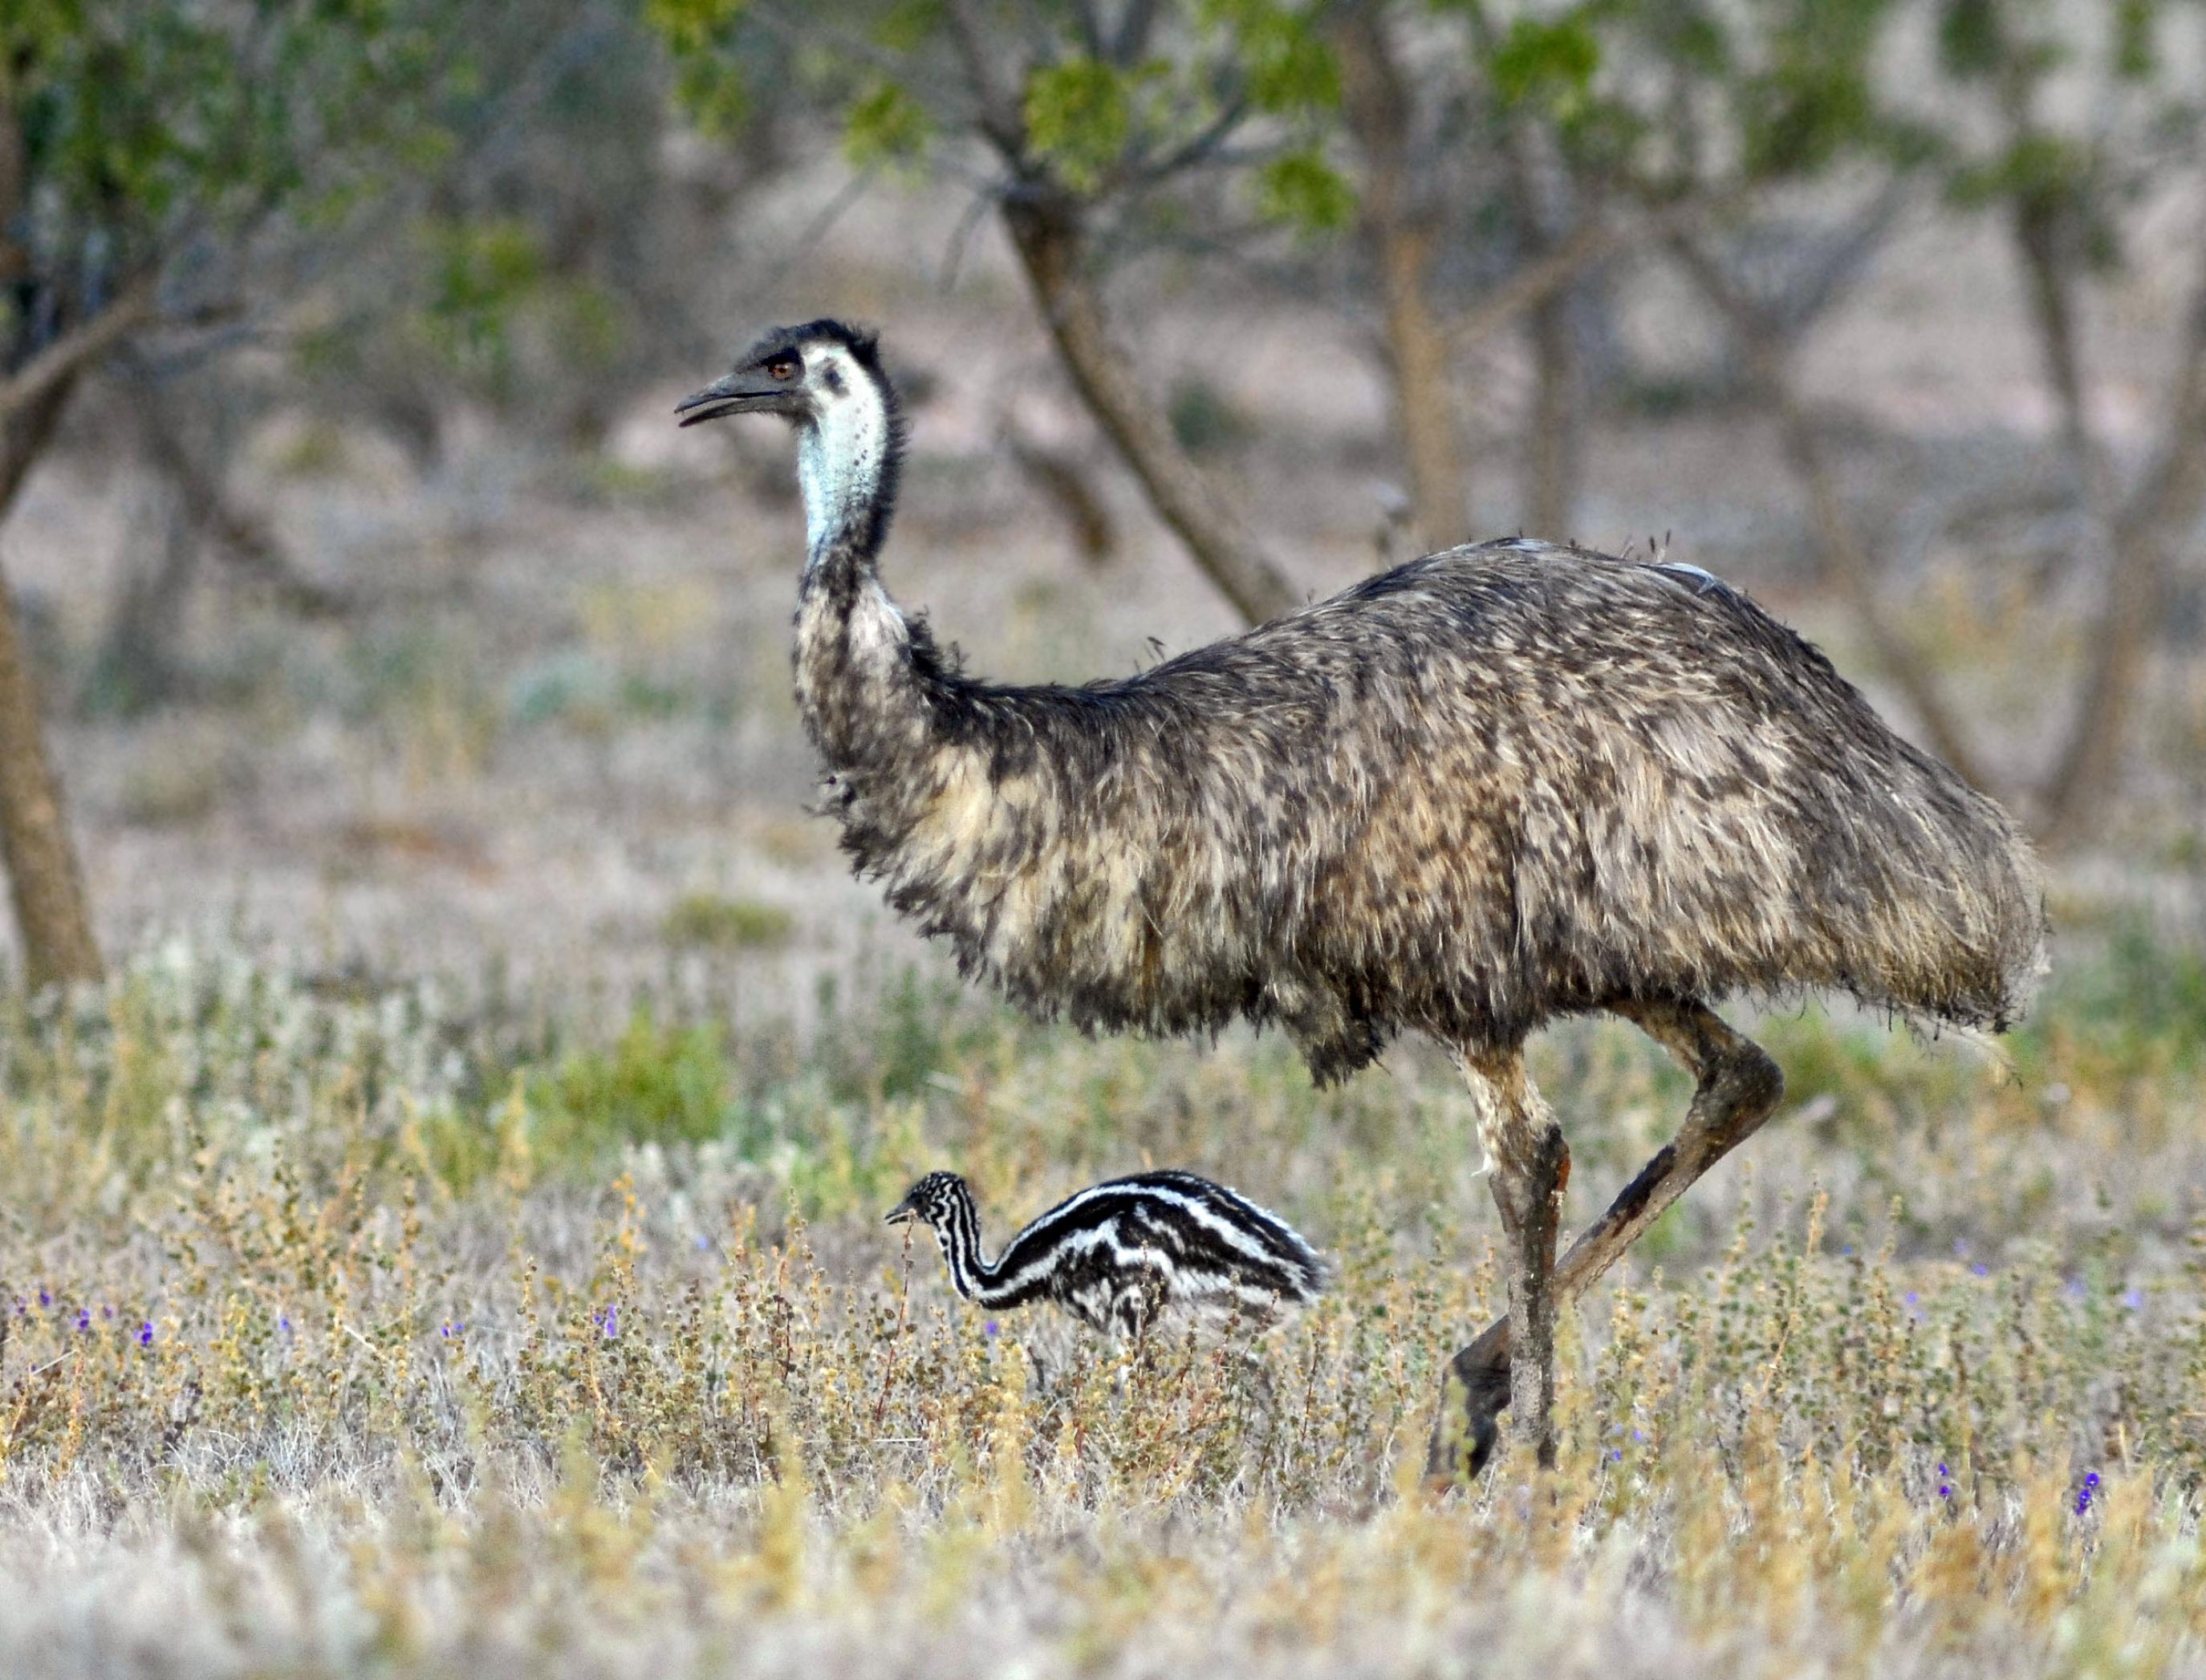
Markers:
point(431, 1330)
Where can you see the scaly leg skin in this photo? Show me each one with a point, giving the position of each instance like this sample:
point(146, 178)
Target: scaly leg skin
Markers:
point(1738, 1088)
point(1531, 1164)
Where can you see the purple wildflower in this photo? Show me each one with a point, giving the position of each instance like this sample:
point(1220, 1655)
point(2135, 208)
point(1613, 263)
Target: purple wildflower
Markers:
point(2084, 1494)
point(608, 1321)
point(989, 1328)
point(145, 1334)
point(1981, 1269)
point(107, 1311)
point(2134, 1300)
point(83, 1317)
point(44, 1300)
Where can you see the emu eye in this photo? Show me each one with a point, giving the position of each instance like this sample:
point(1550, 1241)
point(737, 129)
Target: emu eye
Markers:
point(782, 367)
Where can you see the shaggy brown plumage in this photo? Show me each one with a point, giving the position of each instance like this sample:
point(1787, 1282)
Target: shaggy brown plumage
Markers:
point(1496, 785)
point(1489, 787)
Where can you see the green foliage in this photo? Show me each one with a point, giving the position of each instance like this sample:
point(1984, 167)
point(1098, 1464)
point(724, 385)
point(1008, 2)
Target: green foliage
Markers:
point(1971, 38)
point(1303, 191)
point(2006, 143)
point(907, 25)
point(2136, 1008)
point(691, 25)
point(479, 274)
point(2037, 168)
point(1093, 120)
point(885, 125)
point(1205, 420)
point(721, 63)
point(1079, 116)
point(145, 122)
point(1551, 62)
point(653, 1083)
point(1276, 47)
point(2136, 54)
point(1692, 98)
point(710, 921)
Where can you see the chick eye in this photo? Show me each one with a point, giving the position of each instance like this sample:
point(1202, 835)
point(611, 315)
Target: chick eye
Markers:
point(781, 368)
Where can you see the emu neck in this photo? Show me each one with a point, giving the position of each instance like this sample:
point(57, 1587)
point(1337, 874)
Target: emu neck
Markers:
point(855, 685)
point(970, 1269)
point(845, 466)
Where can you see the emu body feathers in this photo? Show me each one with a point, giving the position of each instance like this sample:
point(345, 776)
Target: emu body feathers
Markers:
point(1495, 785)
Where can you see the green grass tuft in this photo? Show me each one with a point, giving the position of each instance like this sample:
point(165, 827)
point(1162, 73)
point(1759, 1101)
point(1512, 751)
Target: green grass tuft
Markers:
point(709, 921)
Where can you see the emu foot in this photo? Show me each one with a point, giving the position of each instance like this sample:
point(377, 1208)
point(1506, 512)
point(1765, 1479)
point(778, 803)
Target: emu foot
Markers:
point(1473, 1396)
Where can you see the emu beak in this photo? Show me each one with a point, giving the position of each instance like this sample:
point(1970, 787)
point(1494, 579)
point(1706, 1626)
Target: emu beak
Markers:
point(739, 393)
point(902, 1214)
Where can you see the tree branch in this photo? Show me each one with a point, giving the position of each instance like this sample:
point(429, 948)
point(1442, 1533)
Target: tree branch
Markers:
point(54, 367)
point(1046, 232)
point(243, 536)
point(1132, 39)
point(2165, 504)
point(1846, 555)
point(1375, 103)
point(1000, 118)
point(2168, 501)
point(1592, 242)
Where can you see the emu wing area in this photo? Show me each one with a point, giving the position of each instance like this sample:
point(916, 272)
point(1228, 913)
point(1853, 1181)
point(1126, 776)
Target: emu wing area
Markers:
point(1495, 785)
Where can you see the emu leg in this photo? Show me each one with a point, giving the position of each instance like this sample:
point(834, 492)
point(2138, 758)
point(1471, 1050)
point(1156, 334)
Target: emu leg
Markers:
point(1738, 1088)
point(1530, 1164)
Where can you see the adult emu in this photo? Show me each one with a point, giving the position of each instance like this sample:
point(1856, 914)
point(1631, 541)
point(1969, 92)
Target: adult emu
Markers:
point(1497, 785)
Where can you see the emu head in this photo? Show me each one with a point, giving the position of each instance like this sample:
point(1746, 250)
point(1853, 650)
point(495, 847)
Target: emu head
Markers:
point(931, 1202)
point(825, 378)
point(803, 373)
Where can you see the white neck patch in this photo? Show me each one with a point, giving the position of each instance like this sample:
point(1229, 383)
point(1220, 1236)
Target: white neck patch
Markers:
point(839, 454)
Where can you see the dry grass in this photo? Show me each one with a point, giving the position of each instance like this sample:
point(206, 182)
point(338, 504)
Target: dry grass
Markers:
point(349, 1336)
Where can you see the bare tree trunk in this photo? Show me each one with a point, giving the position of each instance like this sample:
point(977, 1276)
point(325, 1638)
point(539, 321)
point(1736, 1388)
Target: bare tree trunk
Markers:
point(243, 537)
point(1846, 555)
point(2164, 506)
point(1046, 228)
point(1046, 232)
point(138, 667)
point(1593, 243)
point(1555, 451)
point(52, 915)
point(2052, 311)
point(1062, 478)
point(1376, 105)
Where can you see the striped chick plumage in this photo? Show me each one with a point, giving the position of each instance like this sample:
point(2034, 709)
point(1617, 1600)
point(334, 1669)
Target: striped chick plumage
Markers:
point(1122, 1255)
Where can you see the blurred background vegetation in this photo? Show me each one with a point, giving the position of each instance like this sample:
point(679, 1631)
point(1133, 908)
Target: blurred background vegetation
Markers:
point(358, 592)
